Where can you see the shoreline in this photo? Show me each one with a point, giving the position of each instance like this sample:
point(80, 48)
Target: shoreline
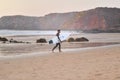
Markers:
point(11, 49)
point(47, 53)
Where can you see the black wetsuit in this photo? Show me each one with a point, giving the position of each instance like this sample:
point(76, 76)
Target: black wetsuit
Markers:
point(57, 44)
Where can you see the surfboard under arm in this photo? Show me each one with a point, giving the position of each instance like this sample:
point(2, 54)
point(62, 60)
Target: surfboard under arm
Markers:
point(62, 37)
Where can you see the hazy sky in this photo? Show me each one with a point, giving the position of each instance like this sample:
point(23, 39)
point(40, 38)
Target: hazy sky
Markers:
point(42, 7)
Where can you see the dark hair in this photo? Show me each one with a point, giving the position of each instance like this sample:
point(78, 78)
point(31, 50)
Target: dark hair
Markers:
point(58, 30)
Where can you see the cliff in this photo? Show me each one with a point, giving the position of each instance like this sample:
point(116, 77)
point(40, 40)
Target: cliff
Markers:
point(19, 22)
point(99, 19)
point(94, 20)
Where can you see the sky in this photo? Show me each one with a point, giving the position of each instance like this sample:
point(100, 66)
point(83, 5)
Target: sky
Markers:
point(44, 7)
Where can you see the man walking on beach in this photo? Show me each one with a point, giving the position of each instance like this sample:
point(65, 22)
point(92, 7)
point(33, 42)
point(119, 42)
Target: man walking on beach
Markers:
point(59, 42)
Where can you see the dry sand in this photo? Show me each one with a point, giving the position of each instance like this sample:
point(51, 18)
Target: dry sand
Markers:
point(102, 63)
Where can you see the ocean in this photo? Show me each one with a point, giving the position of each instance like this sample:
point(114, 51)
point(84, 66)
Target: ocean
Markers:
point(32, 32)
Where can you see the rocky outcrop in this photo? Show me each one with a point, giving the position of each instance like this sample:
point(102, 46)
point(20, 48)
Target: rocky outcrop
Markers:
point(41, 40)
point(82, 39)
point(3, 39)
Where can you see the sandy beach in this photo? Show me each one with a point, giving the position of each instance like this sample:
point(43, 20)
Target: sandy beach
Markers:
point(102, 63)
point(98, 59)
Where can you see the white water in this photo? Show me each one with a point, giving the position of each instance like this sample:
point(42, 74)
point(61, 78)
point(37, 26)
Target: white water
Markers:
point(31, 32)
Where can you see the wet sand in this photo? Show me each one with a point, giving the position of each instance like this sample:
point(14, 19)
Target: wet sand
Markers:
point(99, 39)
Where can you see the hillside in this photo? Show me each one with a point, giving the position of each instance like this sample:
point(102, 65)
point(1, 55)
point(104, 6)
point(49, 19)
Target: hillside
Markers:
point(94, 20)
point(99, 19)
point(19, 22)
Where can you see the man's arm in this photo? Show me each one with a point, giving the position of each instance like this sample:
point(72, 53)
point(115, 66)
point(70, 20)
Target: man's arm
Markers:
point(58, 36)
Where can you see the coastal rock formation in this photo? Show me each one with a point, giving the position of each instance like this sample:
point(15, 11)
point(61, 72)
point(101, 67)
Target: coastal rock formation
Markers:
point(19, 22)
point(94, 20)
point(82, 39)
point(99, 19)
point(41, 40)
point(3, 39)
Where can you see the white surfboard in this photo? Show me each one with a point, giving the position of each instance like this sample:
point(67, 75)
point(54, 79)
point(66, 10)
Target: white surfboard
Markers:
point(62, 37)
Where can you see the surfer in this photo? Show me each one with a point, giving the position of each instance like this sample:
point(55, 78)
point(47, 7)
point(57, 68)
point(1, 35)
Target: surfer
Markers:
point(58, 43)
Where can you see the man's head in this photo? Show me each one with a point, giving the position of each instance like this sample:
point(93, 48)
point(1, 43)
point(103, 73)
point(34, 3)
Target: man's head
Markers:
point(58, 30)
